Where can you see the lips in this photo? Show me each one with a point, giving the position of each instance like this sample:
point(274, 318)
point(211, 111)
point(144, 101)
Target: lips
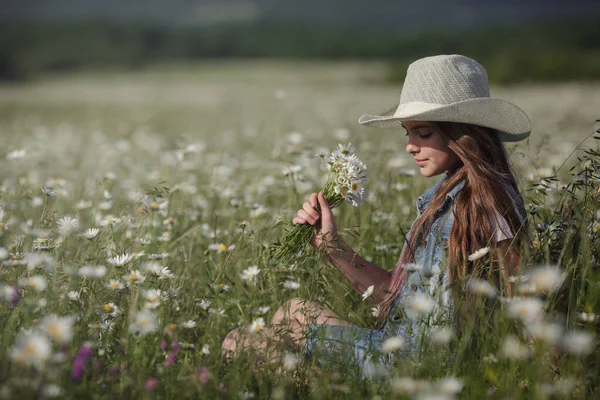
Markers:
point(420, 163)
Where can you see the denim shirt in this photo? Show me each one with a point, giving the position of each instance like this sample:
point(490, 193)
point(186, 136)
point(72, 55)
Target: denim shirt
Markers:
point(429, 278)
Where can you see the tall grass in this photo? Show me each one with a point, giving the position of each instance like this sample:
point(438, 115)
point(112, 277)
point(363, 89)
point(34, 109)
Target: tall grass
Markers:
point(207, 213)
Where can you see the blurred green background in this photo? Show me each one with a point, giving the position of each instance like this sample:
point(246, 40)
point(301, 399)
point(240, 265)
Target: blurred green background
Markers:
point(517, 41)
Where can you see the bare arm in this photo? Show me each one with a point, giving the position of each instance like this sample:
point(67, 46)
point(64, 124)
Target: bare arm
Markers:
point(360, 273)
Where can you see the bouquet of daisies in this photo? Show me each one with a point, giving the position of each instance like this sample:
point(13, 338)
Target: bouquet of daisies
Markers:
point(345, 181)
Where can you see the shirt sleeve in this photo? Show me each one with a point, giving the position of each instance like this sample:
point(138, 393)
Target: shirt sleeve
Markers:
point(502, 231)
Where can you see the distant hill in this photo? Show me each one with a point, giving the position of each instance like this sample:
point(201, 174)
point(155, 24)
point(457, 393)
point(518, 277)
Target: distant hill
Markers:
point(394, 15)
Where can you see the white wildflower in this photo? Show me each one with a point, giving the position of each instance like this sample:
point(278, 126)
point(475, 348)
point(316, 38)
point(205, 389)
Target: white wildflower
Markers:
point(120, 260)
point(481, 288)
point(152, 297)
point(92, 271)
point(289, 361)
point(204, 304)
point(134, 277)
point(526, 309)
point(32, 349)
point(546, 279)
point(546, 332)
point(144, 322)
point(250, 273)
point(512, 348)
point(392, 344)
point(59, 329)
point(73, 295)
point(110, 309)
point(441, 336)
point(375, 311)
point(450, 386)
point(257, 324)
point(419, 304)
point(292, 285)
point(36, 282)
point(478, 254)
point(91, 233)
point(368, 292)
point(67, 224)
point(587, 317)
point(205, 349)
point(189, 324)
point(114, 284)
point(578, 342)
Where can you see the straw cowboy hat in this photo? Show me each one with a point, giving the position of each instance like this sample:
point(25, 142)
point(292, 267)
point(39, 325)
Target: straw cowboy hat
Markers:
point(453, 88)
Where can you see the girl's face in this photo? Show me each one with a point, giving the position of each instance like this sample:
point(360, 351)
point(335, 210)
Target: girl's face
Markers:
point(429, 148)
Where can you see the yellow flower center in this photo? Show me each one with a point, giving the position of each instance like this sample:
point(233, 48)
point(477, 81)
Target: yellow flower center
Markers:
point(133, 278)
point(354, 186)
point(343, 191)
point(107, 308)
point(154, 205)
point(222, 247)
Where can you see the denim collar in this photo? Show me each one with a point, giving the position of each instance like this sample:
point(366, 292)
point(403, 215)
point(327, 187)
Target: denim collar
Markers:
point(424, 200)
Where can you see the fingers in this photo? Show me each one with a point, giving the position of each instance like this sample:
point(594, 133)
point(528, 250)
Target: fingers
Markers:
point(325, 209)
point(306, 217)
point(308, 213)
point(313, 200)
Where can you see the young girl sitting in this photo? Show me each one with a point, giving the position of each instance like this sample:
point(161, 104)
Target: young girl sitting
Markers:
point(471, 218)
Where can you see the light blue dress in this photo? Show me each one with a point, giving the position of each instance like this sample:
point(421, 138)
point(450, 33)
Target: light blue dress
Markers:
point(353, 345)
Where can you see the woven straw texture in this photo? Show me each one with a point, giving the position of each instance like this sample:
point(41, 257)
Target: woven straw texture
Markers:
point(453, 88)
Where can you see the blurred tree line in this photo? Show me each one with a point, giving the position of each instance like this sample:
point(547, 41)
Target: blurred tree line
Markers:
point(545, 51)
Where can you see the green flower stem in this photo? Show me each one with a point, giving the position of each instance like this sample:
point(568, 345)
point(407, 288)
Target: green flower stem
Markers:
point(295, 240)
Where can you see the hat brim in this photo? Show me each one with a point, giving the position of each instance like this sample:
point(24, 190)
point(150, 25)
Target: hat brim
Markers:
point(509, 120)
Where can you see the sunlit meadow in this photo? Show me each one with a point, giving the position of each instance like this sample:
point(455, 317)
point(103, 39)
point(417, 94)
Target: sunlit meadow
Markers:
point(137, 211)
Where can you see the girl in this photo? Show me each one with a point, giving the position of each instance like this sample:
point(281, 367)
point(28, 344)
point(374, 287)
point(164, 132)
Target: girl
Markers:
point(470, 218)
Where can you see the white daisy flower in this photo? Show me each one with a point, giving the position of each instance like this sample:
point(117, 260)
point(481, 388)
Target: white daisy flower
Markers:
point(368, 292)
point(479, 254)
point(262, 310)
point(189, 324)
point(204, 304)
point(527, 309)
point(512, 348)
point(36, 282)
point(90, 233)
point(73, 295)
point(419, 304)
point(59, 329)
point(289, 361)
point(546, 279)
point(206, 349)
point(152, 297)
point(250, 273)
point(450, 386)
point(392, 344)
point(144, 322)
point(134, 277)
point(67, 224)
point(257, 324)
point(482, 288)
point(159, 256)
point(578, 342)
point(32, 349)
point(375, 311)
point(114, 284)
point(292, 285)
point(120, 260)
point(92, 271)
point(110, 309)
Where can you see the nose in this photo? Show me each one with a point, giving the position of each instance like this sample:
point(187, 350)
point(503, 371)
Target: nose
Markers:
point(411, 147)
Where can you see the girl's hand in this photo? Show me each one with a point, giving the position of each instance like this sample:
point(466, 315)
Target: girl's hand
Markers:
point(326, 231)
